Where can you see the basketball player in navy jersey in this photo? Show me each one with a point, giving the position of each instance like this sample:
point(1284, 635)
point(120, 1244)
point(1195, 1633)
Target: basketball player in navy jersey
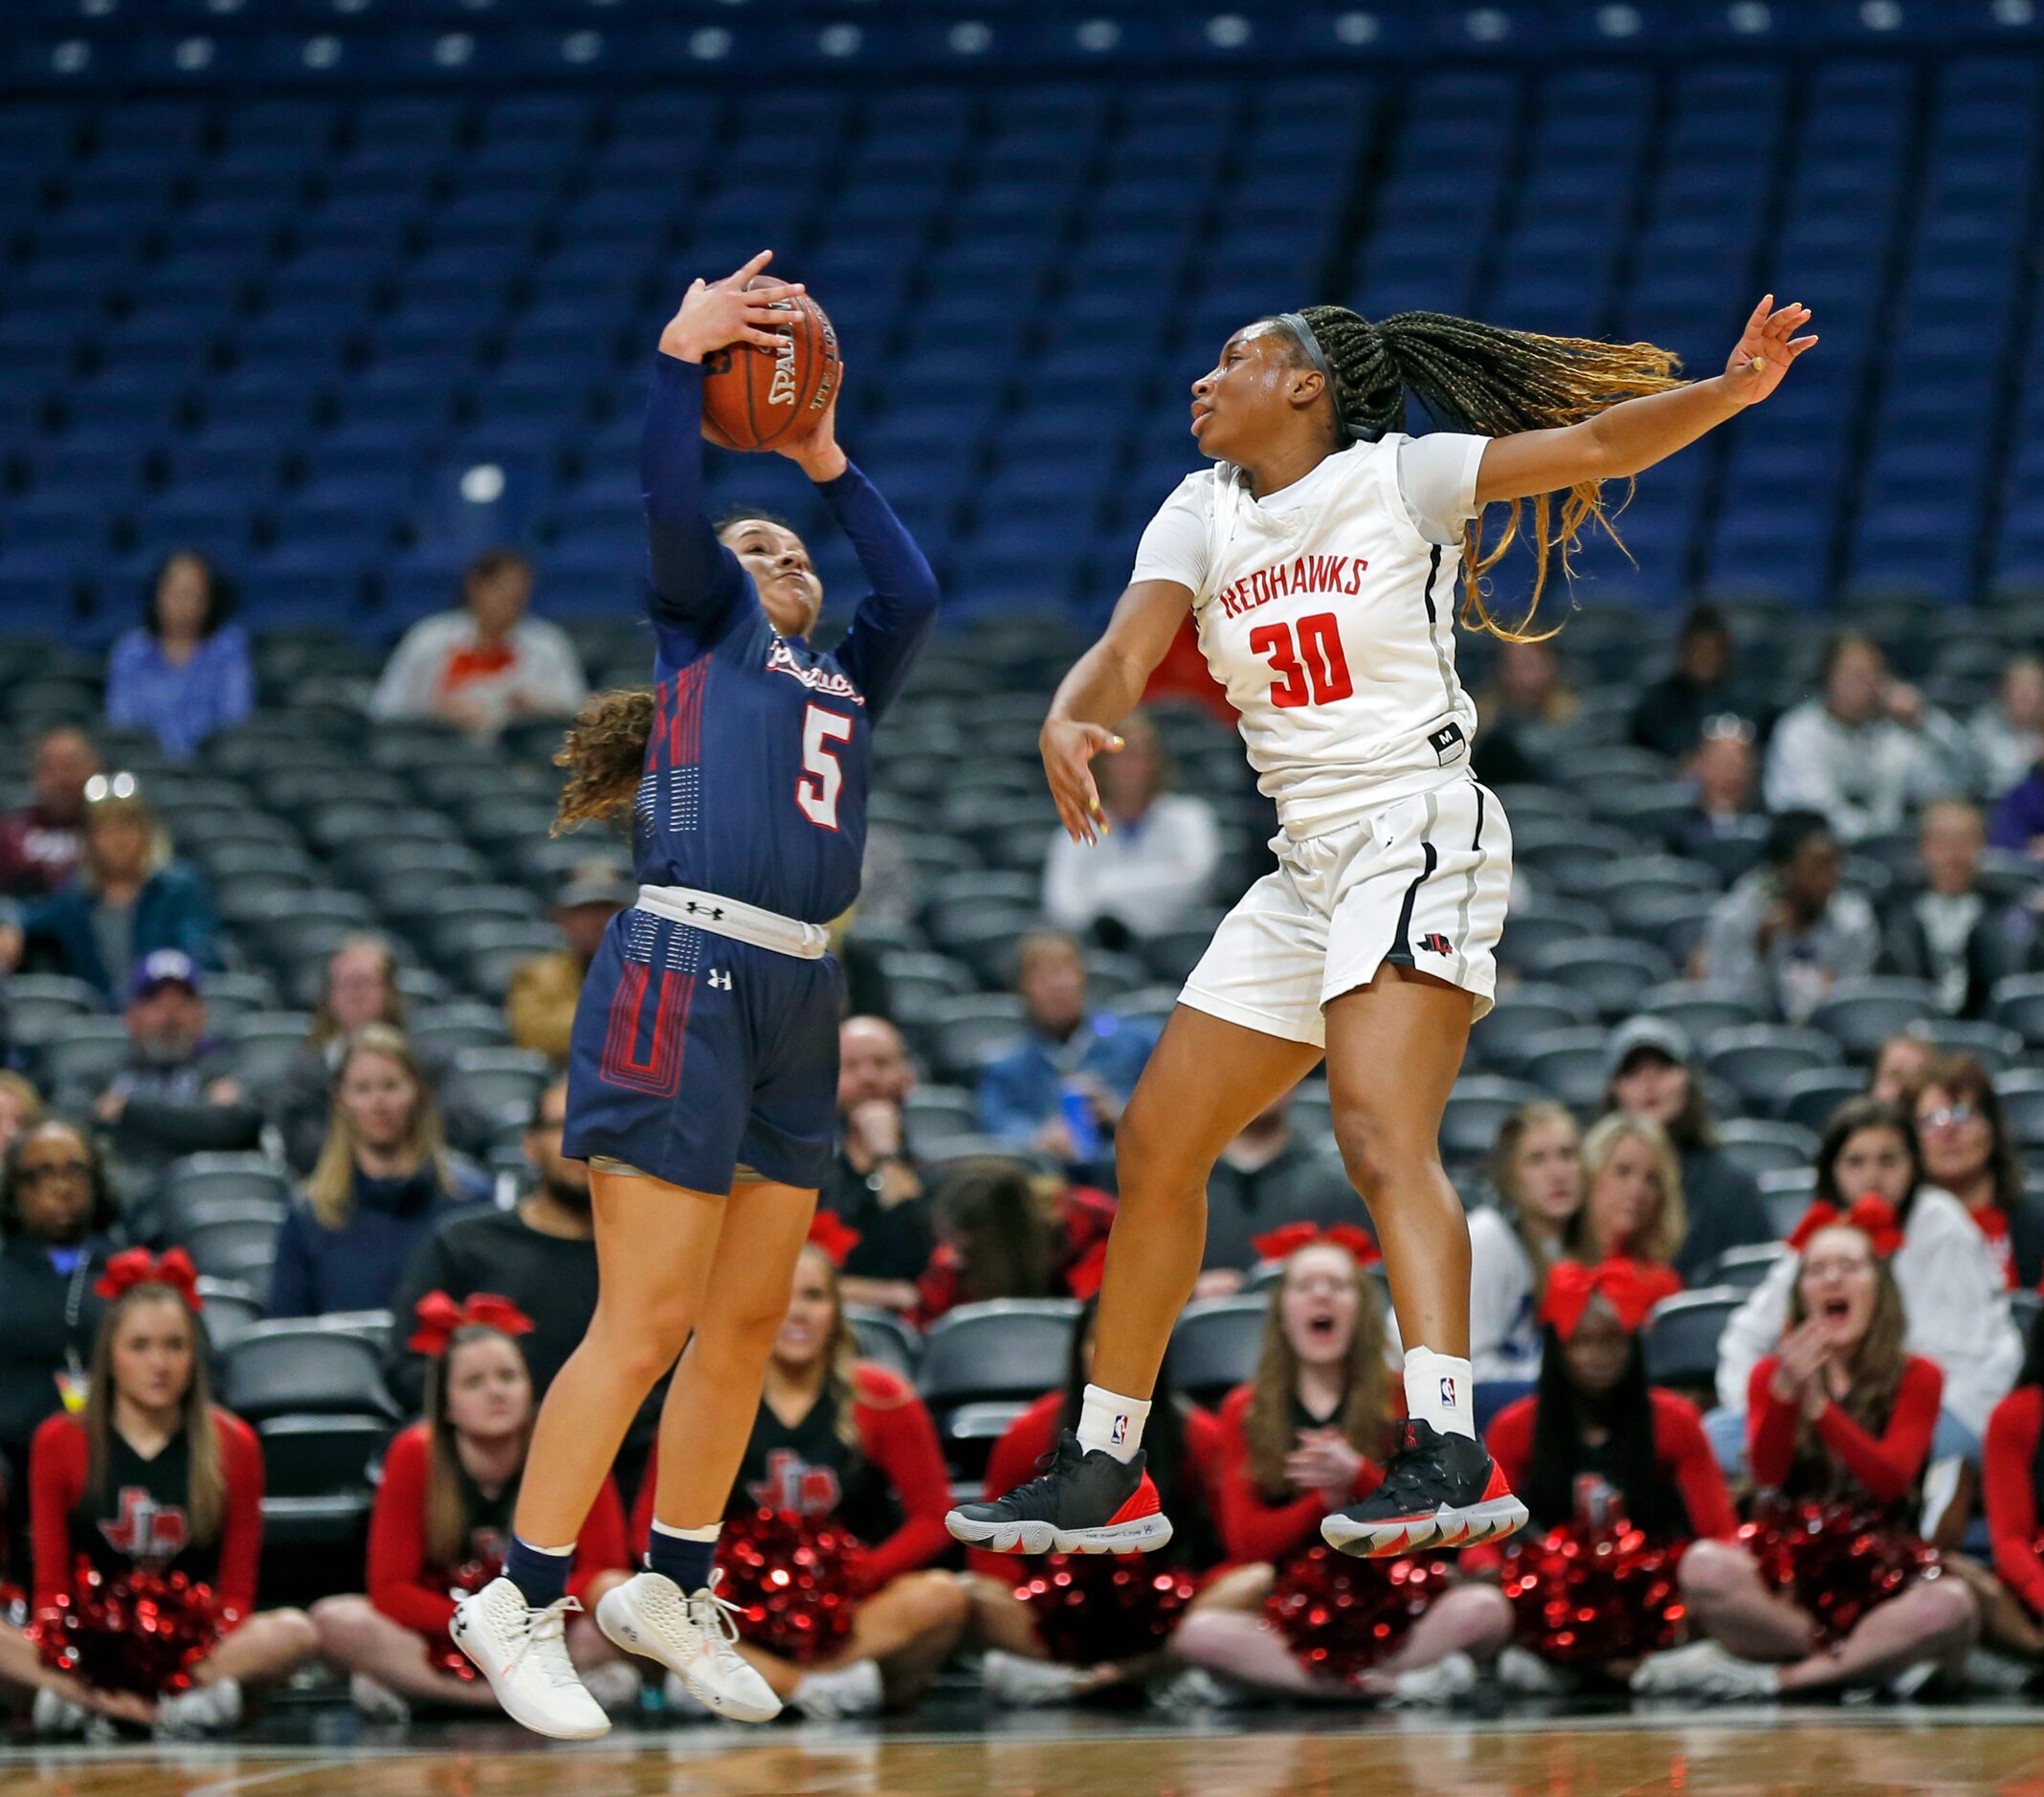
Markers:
point(703, 1071)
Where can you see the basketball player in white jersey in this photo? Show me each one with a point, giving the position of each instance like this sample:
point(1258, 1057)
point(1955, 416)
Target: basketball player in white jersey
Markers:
point(1320, 558)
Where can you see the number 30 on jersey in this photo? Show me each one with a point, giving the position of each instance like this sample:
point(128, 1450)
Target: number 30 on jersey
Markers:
point(818, 784)
point(1311, 670)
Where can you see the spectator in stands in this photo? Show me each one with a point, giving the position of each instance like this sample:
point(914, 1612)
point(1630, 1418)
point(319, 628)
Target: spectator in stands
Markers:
point(181, 674)
point(1006, 1231)
point(1789, 931)
point(176, 1094)
point(442, 1521)
point(1672, 713)
point(1839, 1425)
point(152, 1477)
point(1537, 1169)
point(21, 1107)
point(1969, 1150)
point(844, 1444)
point(1527, 703)
point(874, 1186)
point(1042, 1647)
point(2009, 734)
point(1948, 931)
point(1269, 1175)
point(1153, 867)
point(1900, 1065)
point(1632, 1199)
point(1723, 769)
point(383, 1182)
point(1303, 1438)
point(1955, 1301)
point(359, 987)
point(488, 664)
point(127, 898)
point(2018, 823)
point(1651, 1071)
point(42, 843)
point(540, 1003)
point(2013, 1612)
point(1866, 751)
point(1061, 1091)
point(58, 1217)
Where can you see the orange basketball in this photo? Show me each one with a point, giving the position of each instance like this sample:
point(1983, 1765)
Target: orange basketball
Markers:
point(761, 398)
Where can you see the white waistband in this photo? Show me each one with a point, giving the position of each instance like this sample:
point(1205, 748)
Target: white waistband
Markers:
point(743, 922)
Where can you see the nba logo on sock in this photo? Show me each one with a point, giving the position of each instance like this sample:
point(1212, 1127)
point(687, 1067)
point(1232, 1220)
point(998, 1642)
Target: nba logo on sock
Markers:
point(1120, 1431)
point(1448, 1390)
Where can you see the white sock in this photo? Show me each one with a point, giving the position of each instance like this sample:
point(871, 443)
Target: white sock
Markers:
point(1440, 1389)
point(1111, 1423)
point(708, 1532)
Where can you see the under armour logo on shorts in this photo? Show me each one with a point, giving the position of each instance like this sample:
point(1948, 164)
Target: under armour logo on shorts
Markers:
point(719, 980)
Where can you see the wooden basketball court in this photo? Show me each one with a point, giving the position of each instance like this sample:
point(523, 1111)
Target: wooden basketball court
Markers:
point(1827, 1753)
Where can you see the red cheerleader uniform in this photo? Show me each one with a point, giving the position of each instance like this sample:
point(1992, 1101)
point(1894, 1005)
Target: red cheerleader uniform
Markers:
point(1088, 1215)
point(421, 1595)
point(2008, 1482)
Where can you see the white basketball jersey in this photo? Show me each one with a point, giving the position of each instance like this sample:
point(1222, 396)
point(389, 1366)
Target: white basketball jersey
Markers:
point(1330, 620)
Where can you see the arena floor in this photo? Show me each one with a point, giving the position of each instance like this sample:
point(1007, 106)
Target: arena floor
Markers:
point(1834, 1752)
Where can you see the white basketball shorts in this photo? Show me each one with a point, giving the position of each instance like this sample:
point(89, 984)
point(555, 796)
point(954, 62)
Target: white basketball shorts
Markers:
point(1422, 884)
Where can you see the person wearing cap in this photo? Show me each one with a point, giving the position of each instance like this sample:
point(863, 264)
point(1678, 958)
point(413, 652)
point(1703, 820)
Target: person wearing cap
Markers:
point(174, 1096)
point(127, 898)
point(540, 1002)
point(1650, 1070)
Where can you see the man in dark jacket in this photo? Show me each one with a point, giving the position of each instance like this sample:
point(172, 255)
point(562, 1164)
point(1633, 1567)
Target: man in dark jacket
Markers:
point(175, 1095)
point(1269, 1176)
point(1948, 930)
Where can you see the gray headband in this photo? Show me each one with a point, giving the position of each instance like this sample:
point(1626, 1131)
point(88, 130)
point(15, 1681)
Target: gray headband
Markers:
point(1315, 354)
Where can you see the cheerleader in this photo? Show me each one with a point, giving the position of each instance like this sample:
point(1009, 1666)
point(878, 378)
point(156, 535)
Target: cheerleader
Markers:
point(1633, 1204)
point(442, 1519)
point(702, 1075)
point(2012, 1604)
point(1537, 1169)
point(1061, 1626)
point(1296, 1444)
point(1955, 1299)
point(153, 1496)
point(1826, 1588)
point(1319, 560)
point(1618, 1479)
point(843, 1473)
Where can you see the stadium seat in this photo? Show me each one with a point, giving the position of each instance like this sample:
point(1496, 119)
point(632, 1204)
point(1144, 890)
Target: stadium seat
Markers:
point(233, 1242)
point(1861, 1014)
point(281, 1367)
point(1215, 1347)
point(1758, 1060)
point(1741, 1269)
point(1758, 1145)
point(1682, 1338)
point(885, 1339)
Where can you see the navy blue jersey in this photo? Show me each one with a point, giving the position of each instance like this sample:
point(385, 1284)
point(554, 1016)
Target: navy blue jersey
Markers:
point(760, 755)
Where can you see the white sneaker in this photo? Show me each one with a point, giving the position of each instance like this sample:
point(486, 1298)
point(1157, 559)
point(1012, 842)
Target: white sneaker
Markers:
point(853, 1689)
point(1525, 1674)
point(681, 1706)
point(614, 1685)
point(523, 1652)
point(1017, 1683)
point(54, 1717)
point(694, 1637)
point(1451, 1677)
point(377, 1702)
point(1707, 1672)
point(204, 1710)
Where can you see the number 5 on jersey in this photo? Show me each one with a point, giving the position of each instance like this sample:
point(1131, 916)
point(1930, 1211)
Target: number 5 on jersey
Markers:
point(817, 786)
point(1315, 672)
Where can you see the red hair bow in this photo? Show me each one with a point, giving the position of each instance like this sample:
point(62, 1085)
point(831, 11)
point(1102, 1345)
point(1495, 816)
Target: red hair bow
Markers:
point(1083, 1282)
point(1873, 1217)
point(1629, 1287)
point(1282, 1244)
point(834, 1236)
point(134, 1266)
point(439, 1317)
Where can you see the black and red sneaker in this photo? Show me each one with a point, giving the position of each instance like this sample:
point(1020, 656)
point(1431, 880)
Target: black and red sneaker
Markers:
point(1438, 1491)
point(1081, 1503)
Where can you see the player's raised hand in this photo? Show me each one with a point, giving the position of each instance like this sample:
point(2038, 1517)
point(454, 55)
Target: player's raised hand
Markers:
point(1764, 350)
point(816, 451)
point(1068, 749)
point(714, 313)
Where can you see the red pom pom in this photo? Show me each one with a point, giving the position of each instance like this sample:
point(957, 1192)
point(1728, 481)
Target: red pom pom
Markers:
point(1341, 1615)
point(1587, 1597)
point(1093, 1608)
point(140, 1632)
point(794, 1582)
point(1836, 1561)
point(465, 1580)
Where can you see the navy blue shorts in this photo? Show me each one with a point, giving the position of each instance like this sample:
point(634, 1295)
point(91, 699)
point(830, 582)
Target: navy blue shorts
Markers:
point(695, 1055)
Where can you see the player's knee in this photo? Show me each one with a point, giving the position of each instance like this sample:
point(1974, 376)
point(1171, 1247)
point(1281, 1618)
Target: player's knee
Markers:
point(1381, 1154)
point(636, 1349)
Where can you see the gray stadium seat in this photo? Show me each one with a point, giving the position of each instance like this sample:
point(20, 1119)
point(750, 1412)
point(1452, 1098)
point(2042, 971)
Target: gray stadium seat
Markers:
point(1569, 1064)
point(1756, 1060)
point(81, 1056)
point(40, 1004)
point(233, 1242)
point(1787, 1192)
point(1612, 971)
point(1475, 1108)
point(1523, 1012)
point(2017, 1003)
point(2022, 1097)
point(261, 1047)
point(884, 1338)
point(1682, 1338)
point(1699, 1008)
point(1812, 1097)
point(281, 1367)
point(1215, 1347)
point(498, 1083)
point(1741, 1268)
point(931, 1111)
point(1861, 1014)
point(1762, 1146)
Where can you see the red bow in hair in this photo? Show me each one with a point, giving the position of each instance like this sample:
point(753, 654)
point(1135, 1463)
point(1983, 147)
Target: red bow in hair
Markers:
point(1629, 1287)
point(133, 1266)
point(1873, 1217)
point(439, 1317)
point(1282, 1244)
point(831, 1233)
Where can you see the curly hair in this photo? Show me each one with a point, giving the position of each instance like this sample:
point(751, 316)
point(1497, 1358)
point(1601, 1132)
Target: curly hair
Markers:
point(1494, 381)
point(605, 755)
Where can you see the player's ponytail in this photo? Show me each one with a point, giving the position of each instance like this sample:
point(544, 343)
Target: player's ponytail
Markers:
point(605, 755)
point(1494, 381)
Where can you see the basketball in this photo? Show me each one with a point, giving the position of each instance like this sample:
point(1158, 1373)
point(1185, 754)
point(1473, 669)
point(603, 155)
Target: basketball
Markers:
point(760, 398)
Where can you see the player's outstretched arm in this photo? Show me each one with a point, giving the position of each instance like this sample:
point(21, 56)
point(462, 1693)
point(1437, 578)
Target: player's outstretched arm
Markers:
point(1635, 434)
point(1102, 688)
point(693, 578)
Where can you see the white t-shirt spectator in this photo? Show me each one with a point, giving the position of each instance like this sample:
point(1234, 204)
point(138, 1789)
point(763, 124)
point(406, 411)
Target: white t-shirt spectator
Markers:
point(533, 671)
point(1148, 877)
point(1865, 777)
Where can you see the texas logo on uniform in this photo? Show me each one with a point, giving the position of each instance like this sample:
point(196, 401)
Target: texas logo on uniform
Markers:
point(1435, 943)
point(146, 1530)
point(793, 1483)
